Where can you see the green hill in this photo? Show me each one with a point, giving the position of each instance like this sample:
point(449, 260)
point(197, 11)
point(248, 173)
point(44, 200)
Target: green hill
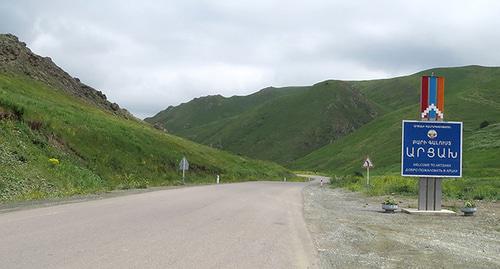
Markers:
point(279, 124)
point(46, 114)
point(472, 95)
point(331, 126)
point(202, 110)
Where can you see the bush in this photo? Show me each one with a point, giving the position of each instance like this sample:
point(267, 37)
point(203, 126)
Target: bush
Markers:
point(472, 188)
point(389, 201)
point(341, 182)
point(53, 161)
point(379, 185)
point(462, 188)
point(484, 124)
point(17, 110)
point(35, 125)
point(130, 181)
point(469, 204)
point(358, 174)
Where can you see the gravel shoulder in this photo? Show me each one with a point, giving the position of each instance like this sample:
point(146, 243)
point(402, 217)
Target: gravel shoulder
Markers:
point(350, 230)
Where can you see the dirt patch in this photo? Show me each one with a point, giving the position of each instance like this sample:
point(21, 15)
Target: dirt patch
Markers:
point(351, 231)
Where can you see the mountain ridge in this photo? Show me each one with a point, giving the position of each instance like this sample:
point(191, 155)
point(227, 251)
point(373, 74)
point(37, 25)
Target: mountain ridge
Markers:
point(257, 125)
point(390, 99)
point(16, 57)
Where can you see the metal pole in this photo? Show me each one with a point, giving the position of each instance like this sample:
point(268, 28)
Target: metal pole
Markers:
point(183, 174)
point(368, 175)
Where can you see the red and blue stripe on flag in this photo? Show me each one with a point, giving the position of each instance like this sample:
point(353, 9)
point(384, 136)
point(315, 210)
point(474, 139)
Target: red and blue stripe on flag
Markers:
point(432, 98)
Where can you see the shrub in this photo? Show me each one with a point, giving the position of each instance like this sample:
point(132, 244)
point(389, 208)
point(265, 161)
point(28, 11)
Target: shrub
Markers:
point(16, 110)
point(389, 201)
point(35, 125)
point(484, 124)
point(469, 204)
point(54, 161)
point(358, 174)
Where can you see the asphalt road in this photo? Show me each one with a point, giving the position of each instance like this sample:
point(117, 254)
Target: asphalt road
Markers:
point(243, 225)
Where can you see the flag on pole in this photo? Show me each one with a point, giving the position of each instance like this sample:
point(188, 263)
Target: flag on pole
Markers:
point(432, 98)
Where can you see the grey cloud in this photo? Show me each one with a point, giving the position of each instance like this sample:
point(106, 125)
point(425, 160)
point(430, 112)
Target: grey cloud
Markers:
point(148, 55)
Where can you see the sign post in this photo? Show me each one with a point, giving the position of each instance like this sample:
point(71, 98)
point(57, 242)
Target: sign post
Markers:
point(368, 164)
point(184, 165)
point(431, 148)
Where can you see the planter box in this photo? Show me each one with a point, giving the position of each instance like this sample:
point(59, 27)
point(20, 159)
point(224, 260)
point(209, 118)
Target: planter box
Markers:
point(390, 208)
point(469, 211)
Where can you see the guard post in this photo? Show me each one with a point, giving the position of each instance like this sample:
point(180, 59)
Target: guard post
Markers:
point(431, 147)
point(184, 166)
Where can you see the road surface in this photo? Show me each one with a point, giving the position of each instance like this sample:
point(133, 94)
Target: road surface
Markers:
point(243, 225)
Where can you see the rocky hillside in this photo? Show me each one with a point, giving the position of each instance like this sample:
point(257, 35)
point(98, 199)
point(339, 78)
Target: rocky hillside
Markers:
point(16, 58)
point(59, 137)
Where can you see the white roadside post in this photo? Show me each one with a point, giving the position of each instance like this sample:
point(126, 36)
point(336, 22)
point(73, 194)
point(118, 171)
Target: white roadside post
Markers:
point(368, 175)
point(367, 164)
point(218, 179)
point(184, 165)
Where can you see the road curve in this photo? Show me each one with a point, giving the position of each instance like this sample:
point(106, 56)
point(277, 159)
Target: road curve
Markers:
point(243, 225)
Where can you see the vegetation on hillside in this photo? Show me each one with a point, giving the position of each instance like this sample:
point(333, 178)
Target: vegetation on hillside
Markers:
point(301, 128)
point(464, 188)
point(96, 150)
point(471, 96)
point(274, 124)
point(324, 128)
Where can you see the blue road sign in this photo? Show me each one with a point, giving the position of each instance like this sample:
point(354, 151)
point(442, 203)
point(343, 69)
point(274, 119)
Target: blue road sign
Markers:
point(431, 149)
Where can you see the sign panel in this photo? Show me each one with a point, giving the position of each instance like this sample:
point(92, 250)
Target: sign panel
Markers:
point(431, 149)
point(368, 163)
point(184, 165)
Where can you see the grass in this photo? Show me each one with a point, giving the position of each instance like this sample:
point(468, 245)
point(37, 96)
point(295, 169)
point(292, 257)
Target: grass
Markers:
point(307, 128)
point(97, 151)
point(471, 96)
point(463, 189)
point(331, 126)
point(274, 124)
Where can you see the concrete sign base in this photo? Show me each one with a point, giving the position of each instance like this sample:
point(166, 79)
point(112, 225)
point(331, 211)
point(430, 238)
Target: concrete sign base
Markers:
point(429, 194)
point(415, 211)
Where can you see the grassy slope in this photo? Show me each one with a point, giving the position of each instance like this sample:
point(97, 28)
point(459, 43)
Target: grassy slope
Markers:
point(214, 108)
point(98, 151)
point(282, 127)
point(472, 95)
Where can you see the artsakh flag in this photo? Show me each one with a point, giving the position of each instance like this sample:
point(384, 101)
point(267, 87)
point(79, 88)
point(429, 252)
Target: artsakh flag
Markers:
point(432, 98)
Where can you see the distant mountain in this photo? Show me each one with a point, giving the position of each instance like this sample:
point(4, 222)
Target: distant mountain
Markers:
point(472, 95)
point(279, 124)
point(94, 144)
point(333, 125)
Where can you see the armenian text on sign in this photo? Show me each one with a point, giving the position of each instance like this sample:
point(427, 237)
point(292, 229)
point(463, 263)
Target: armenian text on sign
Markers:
point(432, 149)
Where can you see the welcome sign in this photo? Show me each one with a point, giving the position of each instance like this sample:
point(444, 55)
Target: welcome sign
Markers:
point(432, 149)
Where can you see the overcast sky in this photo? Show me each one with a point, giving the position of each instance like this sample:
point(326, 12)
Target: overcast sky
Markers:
point(147, 55)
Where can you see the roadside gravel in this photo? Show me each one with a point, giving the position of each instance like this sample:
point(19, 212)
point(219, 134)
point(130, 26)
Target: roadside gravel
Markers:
point(350, 230)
